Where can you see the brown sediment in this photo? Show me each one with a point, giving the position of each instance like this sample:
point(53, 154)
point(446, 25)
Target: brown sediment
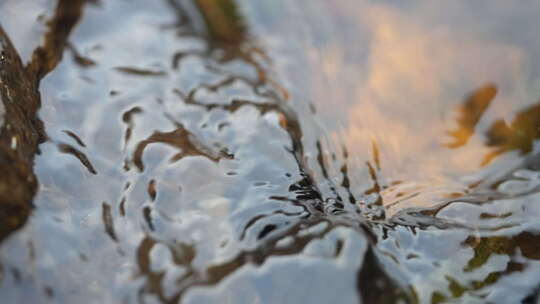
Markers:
point(68, 149)
point(46, 57)
point(179, 138)
point(108, 221)
point(139, 72)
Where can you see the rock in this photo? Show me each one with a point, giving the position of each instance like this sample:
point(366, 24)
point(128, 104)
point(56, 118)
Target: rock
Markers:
point(20, 133)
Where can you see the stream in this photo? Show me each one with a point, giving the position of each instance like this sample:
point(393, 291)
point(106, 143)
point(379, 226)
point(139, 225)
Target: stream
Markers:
point(274, 151)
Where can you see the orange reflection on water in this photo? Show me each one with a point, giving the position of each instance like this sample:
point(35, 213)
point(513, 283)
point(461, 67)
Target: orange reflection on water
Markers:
point(425, 94)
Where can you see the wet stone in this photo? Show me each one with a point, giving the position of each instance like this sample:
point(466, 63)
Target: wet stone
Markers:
point(18, 139)
point(2, 112)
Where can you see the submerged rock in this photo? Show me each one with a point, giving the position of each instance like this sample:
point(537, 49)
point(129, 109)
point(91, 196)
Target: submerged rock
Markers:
point(20, 132)
point(20, 129)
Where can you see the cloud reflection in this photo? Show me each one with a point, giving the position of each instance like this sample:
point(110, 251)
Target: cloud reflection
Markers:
point(417, 81)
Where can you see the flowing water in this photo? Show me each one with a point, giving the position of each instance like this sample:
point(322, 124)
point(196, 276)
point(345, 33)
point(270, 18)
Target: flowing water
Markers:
point(277, 151)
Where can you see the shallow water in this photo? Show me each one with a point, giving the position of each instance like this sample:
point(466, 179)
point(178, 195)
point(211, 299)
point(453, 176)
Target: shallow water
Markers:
point(283, 152)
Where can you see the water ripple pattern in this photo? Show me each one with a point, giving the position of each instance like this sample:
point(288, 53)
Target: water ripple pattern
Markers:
point(275, 151)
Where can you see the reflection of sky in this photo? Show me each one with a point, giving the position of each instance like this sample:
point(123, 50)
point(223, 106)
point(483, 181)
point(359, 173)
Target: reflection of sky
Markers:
point(24, 30)
point(314, 276)
point(396, 73)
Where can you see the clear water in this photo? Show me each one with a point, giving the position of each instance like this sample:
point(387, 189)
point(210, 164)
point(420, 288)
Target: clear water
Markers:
point(285, 152)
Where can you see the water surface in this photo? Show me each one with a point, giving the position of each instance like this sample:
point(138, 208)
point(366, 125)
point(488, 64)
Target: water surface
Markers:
point(283, 152)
